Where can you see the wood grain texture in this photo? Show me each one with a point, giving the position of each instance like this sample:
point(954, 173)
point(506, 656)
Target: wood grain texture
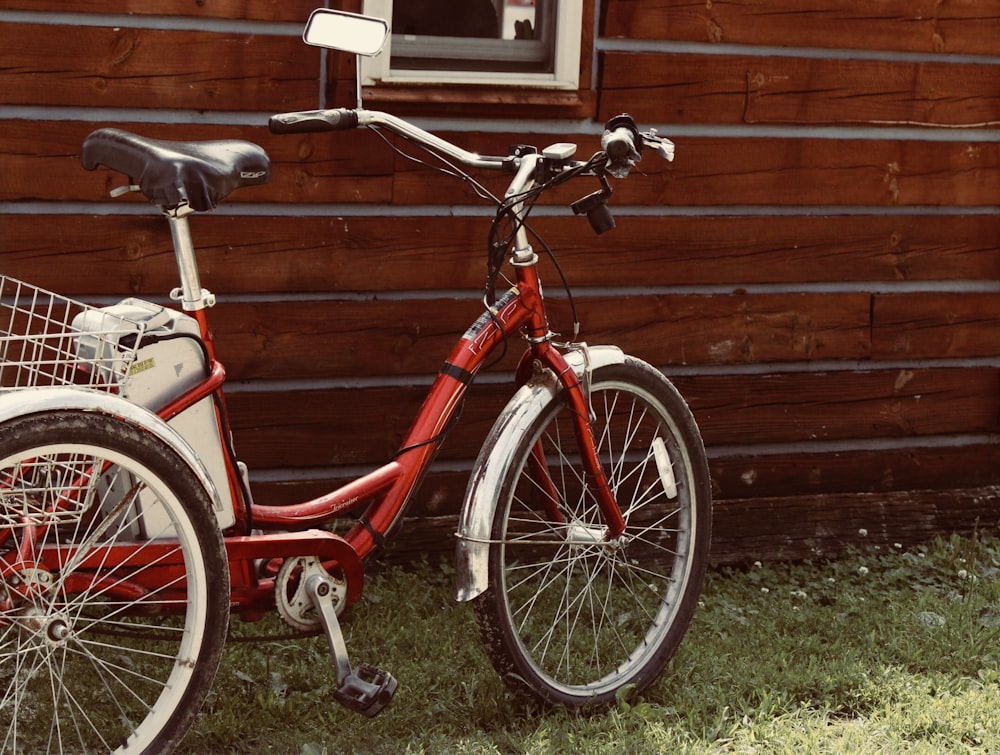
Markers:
point(131, 255)
point(274, 340)
point(745, 474)
point(809, 475)
point(798, 527)
point(150, 68)
point(804, 406)
point(937, 325)
point(338, 426)
point(926, 26)
point(691, 88)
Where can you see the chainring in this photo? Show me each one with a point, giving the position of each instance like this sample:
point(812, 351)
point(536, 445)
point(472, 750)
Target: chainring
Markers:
point(294, 605)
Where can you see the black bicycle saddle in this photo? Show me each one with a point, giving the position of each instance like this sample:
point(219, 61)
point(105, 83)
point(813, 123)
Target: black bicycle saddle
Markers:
point(171, 173)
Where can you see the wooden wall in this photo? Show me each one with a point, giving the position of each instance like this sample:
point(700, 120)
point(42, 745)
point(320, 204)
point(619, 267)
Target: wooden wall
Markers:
point(818, 270)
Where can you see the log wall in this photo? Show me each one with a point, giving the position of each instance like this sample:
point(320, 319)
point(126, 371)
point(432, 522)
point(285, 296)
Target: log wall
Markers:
point(818, 270)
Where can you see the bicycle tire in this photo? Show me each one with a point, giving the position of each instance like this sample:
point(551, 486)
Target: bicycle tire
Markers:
point(568, 618)
point(95, 653)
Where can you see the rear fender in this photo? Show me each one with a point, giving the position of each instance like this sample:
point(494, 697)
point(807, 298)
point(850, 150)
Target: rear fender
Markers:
point(21, 403)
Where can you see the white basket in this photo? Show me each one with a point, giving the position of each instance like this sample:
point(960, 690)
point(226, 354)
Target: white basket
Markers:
point(50, 340)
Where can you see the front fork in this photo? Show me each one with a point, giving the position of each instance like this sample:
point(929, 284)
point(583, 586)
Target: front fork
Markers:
point(577, 389)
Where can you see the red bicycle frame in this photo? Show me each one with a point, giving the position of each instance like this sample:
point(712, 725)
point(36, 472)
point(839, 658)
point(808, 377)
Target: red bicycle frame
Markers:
point(387, 490)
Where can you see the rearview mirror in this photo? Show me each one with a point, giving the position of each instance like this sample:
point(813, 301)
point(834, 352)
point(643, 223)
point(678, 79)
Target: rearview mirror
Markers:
point(348, 32)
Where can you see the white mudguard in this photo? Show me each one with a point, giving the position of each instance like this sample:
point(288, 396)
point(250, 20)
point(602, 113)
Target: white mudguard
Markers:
point(476, 521)
point(21, 403)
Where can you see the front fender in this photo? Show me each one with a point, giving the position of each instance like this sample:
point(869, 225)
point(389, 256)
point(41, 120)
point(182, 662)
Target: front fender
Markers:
point(21, 403)
point(481, 497)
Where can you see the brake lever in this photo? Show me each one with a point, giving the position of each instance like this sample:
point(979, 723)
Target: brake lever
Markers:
point(661, 145)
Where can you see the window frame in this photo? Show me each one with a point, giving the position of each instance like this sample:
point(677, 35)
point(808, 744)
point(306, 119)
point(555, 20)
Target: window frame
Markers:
point(378, 71)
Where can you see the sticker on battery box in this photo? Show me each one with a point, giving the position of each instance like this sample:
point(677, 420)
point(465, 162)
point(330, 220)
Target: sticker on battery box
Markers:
point(145, 364)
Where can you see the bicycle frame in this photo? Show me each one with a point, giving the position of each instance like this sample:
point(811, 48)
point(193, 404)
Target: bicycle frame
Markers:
point(386, 491)
point(391, 484)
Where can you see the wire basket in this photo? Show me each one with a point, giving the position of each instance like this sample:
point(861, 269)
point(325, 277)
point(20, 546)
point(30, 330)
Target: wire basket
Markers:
point(50, 340)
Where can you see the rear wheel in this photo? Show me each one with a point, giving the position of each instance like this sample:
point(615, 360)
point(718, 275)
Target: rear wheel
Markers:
point(571, 617)
point(114, 588)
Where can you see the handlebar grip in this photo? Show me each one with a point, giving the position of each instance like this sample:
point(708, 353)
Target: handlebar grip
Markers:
point(619, 145)
point(622, 144)
point(341, 119)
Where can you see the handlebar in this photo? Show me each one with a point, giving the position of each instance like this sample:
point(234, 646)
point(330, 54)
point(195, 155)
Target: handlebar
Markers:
point(622, 142)
point(342, 119)
point(621, 149)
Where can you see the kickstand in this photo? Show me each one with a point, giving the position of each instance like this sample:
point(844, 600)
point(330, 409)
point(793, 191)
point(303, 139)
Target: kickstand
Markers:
point(367, 689)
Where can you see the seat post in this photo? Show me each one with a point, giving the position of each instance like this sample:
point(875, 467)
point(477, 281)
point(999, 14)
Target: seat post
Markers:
point(191, 295)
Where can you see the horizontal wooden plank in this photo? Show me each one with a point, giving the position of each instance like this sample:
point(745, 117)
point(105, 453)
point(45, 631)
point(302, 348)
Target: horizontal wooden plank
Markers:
point(797, 172)
point(966, 26)
point(42, 162)
point(734, 478)
point(120, 255)
point(252, 10)
point(320, 428)
point(327, 339)
point(354, 166)
point(359, 427)
point(803, 472)
point(821, 172)
point(734, 328)
point(267, 340)
point(731, 89)
point(804, 406)
point(803, 527)
point(131, 255)
point(103, 66)
point(934, 325)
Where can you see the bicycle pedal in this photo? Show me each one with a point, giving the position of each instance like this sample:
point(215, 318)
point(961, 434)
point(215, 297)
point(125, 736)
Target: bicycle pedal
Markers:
point(366, 690)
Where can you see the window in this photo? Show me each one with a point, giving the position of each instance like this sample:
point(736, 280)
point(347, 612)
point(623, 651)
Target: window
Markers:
point(513, 42)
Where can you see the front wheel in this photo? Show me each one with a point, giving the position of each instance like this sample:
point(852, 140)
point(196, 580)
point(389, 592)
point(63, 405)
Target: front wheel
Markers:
point(114, 588)
point(572, 617)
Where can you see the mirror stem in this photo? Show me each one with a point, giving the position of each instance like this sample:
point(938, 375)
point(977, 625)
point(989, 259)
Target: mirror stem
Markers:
point(357, 81)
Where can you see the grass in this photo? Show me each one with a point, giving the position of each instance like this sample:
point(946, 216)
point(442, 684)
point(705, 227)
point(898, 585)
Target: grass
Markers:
point(883, 650)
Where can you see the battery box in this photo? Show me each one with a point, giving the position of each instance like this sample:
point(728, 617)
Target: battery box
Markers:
point(169, 360)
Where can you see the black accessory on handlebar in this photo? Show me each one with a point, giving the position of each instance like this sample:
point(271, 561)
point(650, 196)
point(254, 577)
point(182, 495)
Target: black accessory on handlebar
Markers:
point(341, 119)
point(595, 206)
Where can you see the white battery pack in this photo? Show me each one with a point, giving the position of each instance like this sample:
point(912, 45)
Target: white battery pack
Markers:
point(170, 360)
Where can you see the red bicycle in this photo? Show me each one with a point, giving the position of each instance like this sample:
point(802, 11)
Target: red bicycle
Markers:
point(128, 534)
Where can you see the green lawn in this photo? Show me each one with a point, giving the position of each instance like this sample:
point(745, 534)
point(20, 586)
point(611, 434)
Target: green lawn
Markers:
point(885, 650)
